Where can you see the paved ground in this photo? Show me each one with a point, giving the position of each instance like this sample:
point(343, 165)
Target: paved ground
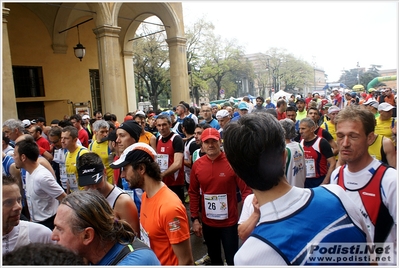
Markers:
point(197, 246)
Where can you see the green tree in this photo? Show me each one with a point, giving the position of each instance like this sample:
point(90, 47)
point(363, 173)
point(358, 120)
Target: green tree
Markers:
point(151, 66)
point(280, 70)
point(221, 58)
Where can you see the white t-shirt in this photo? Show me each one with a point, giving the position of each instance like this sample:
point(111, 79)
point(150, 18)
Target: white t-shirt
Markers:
point(9, 150)
point(25, 233)
point(357, 180)
point(41, 192)
point(295, 171)
point(247, 209)
point(257, 252)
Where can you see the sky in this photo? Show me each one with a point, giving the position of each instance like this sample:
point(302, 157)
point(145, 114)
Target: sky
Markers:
point(333, 35)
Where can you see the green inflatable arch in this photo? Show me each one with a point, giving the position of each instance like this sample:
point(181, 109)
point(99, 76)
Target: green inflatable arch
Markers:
point(376, 80)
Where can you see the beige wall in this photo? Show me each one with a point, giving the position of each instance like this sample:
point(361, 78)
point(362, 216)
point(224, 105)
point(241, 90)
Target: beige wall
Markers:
point(33, 34)
point(31, 46)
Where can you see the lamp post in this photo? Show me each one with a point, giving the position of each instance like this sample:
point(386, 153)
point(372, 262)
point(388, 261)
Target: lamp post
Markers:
point(238, 82)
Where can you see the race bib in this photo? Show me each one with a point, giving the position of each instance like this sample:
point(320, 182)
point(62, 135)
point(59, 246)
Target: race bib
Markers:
point(63, 176)
point(216, 206)
point(163, 160)
point(144, 236)
point(310, 168)
point(59, 156)
point(73, 183)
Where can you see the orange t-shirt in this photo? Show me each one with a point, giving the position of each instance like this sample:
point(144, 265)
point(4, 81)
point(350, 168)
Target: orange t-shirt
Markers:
point(163, 222)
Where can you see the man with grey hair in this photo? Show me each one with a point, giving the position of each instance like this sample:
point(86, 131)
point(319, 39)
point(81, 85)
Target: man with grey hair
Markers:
point(13, 128)
point(100, 147)
point(295, 159)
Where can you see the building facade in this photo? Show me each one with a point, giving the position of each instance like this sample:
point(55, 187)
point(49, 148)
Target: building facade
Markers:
point(42, 76)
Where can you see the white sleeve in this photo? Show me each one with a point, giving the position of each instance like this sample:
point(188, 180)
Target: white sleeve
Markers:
point(49, 185)
point(39, 233)
point(247, 209)
point(388, 191)
point(256, 252)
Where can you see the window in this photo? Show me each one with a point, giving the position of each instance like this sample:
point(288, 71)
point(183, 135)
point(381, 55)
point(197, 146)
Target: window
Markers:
point(28, 81)
point(95, 89)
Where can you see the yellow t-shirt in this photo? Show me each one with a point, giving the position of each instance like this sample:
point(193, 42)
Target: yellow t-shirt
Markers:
point(375, 148)
point(71, 170)
point(146, 137)
point(106, 156)
point(384, 128)
point(330, 127)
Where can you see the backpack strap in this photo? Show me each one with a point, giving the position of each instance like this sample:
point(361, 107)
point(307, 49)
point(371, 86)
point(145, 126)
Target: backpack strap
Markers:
point(136, 245)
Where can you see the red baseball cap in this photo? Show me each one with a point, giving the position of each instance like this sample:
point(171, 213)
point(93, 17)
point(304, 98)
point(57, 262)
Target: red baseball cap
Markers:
point(210, 133)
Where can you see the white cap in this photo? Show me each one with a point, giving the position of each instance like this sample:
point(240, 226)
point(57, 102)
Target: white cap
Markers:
point(372, 102)
point(385, 106)
point(222, 114)
point(333, 109)
point(26, 122)
point(84, 117)
point(139, 112)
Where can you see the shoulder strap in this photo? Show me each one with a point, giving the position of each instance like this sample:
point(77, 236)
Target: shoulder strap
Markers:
point(91, 146)
point(136, 245)
point(287, 164)
point(326, 125)
point(372, 190)
point(77, 157)
point(340, 180)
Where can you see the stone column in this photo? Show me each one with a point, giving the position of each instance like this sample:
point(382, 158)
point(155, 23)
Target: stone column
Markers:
point(9, 102)
point(130, 81)
point(178, 70)
point(112, 80)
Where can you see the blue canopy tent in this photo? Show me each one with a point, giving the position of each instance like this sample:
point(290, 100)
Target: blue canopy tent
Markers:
point(251, 98)
point(330, 86)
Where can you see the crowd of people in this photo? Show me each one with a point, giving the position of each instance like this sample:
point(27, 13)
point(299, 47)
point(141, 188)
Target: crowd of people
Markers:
point(264, 183)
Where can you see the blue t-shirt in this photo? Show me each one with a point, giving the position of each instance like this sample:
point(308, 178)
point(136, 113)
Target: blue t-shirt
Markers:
point(142, 256)
point(213, 123)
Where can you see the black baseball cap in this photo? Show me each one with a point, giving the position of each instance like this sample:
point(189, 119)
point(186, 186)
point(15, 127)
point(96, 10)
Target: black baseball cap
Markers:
point(90, 174)
point(111, 136)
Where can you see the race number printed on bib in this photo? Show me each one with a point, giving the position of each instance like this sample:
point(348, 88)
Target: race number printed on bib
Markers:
point(163, 160)
point(216, 206)
point(310, 168)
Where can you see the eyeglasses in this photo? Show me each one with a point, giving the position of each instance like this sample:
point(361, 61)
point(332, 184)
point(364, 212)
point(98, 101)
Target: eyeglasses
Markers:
point(206, 111)
point(53, 142)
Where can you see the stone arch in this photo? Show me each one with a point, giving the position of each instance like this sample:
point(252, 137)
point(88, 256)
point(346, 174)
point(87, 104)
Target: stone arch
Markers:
point(63, 19)
point(167, 13)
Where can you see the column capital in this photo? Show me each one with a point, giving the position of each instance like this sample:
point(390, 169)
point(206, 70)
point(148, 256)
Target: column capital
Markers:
point(106, 30)
point(176, 41)
point(6, 13)
point(128, 53)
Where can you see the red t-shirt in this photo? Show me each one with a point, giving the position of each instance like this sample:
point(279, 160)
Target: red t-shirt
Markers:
point(281, 115)
point(83, 136)
point(42, 142)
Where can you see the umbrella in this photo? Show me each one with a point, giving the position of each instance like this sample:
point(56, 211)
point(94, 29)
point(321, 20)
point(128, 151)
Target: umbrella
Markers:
point(358, 88)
